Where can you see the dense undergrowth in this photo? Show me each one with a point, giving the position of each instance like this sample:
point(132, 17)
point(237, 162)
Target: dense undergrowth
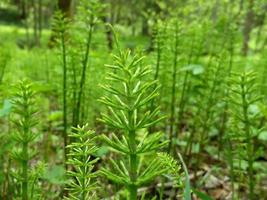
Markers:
point(178, 113)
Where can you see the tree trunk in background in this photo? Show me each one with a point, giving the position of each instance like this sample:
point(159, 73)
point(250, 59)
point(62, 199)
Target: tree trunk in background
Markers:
point(260, 22)
point(35, 23)
point(215, 11)
point(145, 28)
point(109, 34)
point(65, 7)
point(40, 18)
point(37, 20)
point(109, 19)
point(23, 7)
point(248, 26)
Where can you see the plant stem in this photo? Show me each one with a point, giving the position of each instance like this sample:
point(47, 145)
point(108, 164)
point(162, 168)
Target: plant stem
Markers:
point(133, 161)
point(186, 86)
point(74, 93)
point(156, 75)
point(83, 174)
point(158, 62)
point(133, 176)
point(231, 161)
point(25, 159)
point(83, 78)
point(64, 59)
point(188, 148)
point(224, 119)
point(248, 140)
point(173, 95)
point(209, 106)
point(132, 147)
point(25, 171)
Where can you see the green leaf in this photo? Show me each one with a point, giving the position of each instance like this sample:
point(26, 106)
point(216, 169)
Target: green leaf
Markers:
point(187, 190)
point(263, 136)
point(103, 150)
point(6, 108)
point(43, 87)
point(195, 69)
point(55, 175)
point(55, 115)
point(202, 195)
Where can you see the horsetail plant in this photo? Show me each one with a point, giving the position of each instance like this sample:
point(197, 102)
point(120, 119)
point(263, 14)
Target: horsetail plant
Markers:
point(174, 168)
point(212, 91)
point(175, 51)
point(195, 44)
point(173, 172)
point(129, 96)
point(242, 97)
point(225, 114)
point(196, 56)
point(82, 185)
point(61, 24)
point(90, 13)
point(24, 107)
point(159, 36)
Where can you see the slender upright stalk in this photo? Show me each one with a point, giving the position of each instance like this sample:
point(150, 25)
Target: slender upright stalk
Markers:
point(209, 106)
point(25, 170)
point(83, 78)
point(83, 173)
point(173, 94)
point(133, 163)
point(74, 92)
point(186, 85)
point(24, 108)
point(188, 148)
point(158, 59)
point(61, 25)
point(159, 44)
point(64, 67)
point(223, 125)
point(89, 14)
point(249, 140)
point(132, 143)
point(230, 159)
point(243, 95)
point(212, 94)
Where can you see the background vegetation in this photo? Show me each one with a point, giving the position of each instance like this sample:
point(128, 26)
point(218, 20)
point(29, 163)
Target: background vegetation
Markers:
point(136, 99)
